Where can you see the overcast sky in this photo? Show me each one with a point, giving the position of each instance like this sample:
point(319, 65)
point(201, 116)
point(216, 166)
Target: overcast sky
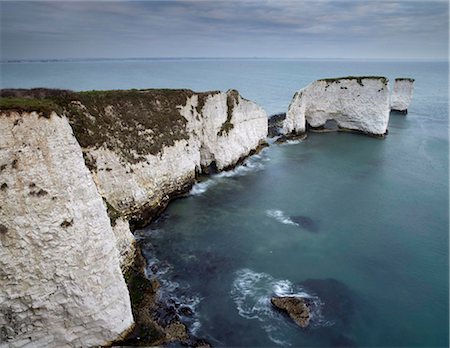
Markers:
point(258, 28)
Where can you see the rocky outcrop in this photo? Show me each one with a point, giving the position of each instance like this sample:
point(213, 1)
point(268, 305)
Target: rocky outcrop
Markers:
point(276, 124)
point(358, 104)
point(60, 281)
point(295, 307)
point(73, 180)
point(402, 94)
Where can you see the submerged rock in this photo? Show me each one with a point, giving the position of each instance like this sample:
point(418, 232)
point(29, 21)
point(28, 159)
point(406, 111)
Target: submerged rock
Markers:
point(338, 299)
point(295, 307)
point(291, 137)
point(306, 222)
point(337, 310)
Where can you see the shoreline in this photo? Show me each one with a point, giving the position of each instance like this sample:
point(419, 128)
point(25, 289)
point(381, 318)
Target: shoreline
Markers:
point(147, 330)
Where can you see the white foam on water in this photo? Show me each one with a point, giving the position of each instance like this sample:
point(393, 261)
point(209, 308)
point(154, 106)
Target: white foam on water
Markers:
point(250, 165)
point(293, 142)
point(252, 291)
point(280, 217)
point(201, 187)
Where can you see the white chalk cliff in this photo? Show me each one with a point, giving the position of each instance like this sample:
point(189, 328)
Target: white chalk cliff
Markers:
point(69, 185)
point(355, 103)
point(220, 131)
point(402, 94)
point(60, 281)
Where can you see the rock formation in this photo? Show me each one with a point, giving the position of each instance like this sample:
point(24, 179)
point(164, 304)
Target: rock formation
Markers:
point(295, 307)
point(402, 94)
point(358, 104)
point(276, 124)
point(60, 282)
point(75, 169)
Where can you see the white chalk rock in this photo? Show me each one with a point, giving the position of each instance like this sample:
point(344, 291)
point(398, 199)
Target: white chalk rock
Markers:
point(218, 132)
point(60, 280)
point(355, 103)
point(125, 243)
point(402, 94)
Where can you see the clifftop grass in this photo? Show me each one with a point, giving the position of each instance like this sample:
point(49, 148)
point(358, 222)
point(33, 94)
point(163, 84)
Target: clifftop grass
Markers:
point(133, 123)
point(405, 79)
point(42, 106)
point(357, 78)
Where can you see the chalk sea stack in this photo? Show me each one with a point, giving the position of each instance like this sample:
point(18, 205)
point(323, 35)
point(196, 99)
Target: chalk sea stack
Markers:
point(402, 94)
point(355, 103)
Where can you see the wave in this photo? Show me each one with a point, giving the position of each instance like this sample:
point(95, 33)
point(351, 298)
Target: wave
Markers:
point(251, 292)
point(293, 142)
point(252, 164)
point(280, 217)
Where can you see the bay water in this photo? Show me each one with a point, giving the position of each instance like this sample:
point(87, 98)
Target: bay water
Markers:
point(356, 224)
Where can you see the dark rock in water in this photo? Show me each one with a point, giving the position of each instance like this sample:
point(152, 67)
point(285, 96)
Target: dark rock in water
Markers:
point(337, 298)
point(295, 307)
point(186, 311)
point(291, 136)
point(403, 112)
point(306, 222)
point(275, 124)
point(338, 308)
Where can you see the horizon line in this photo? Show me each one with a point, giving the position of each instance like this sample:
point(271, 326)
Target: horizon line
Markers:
point(43, 60)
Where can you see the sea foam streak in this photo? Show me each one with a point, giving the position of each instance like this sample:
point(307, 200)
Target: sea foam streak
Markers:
point(252, 291)
point(280, 217)
point(252, 164)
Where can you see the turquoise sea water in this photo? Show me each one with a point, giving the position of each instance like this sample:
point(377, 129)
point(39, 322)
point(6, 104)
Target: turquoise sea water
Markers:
point(360, 225)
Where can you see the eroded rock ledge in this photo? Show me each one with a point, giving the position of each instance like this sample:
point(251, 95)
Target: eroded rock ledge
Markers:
point(76, 169)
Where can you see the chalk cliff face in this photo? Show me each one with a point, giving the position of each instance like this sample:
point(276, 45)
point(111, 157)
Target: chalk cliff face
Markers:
point(355, 103)
point(71, 183)
point(402, 94)
point(60, 281)
point(204, 130)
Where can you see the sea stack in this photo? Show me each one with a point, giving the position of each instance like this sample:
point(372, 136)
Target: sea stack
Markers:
point(76, 170)
point(359, 104)
point(402, 94)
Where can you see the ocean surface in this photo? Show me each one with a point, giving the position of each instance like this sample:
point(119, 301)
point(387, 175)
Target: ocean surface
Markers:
point(356, 224)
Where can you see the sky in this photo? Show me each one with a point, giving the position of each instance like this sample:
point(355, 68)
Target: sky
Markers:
point(357, 29)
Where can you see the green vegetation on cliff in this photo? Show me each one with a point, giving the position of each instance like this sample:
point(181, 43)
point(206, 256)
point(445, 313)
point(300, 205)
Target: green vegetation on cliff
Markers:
point(132, 123)
point(41, 106)
point(405, 79)
point(232, 101)
point(357, 78)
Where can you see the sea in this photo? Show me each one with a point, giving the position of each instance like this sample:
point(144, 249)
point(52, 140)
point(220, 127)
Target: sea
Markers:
point(359, 226)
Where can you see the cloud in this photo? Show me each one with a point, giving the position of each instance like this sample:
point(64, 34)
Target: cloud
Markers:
point(61, 29)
